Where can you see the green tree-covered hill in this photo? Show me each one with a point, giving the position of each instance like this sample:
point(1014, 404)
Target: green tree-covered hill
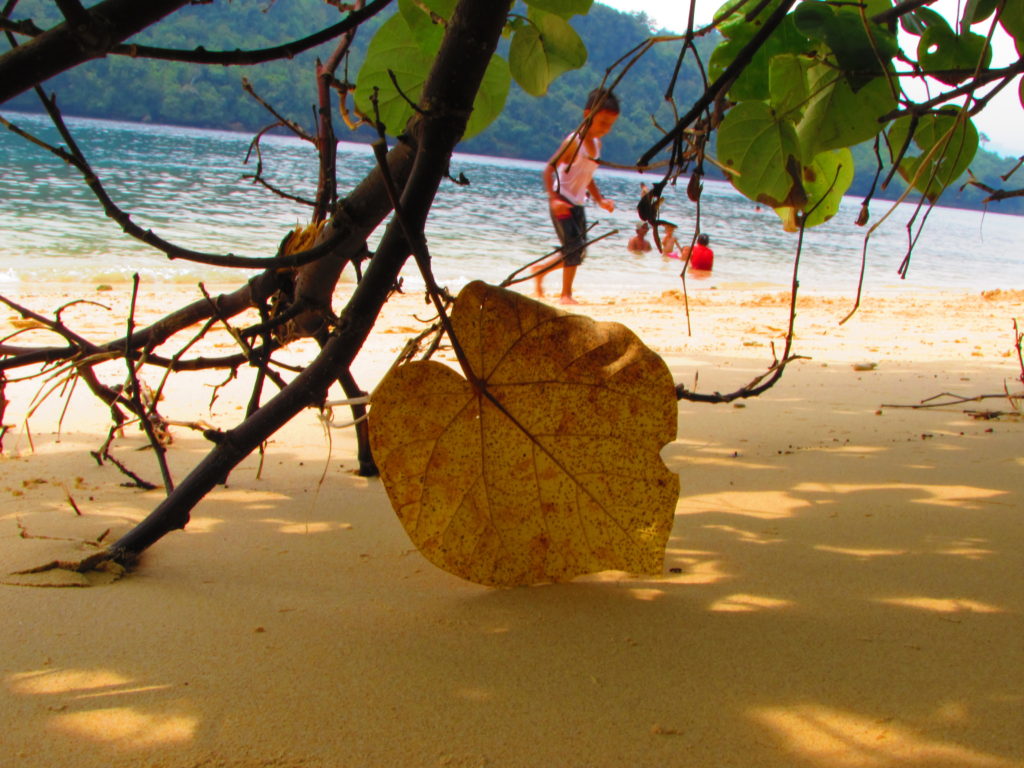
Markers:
point(121, 88)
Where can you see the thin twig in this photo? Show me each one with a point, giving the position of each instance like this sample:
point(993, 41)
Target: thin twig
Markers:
point(146, 415)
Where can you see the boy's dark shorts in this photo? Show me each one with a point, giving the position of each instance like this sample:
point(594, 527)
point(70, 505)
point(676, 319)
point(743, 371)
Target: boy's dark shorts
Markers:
point(572, 232)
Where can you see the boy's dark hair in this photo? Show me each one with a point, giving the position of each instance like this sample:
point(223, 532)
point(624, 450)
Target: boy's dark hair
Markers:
point(603, 99)
point(703, 239)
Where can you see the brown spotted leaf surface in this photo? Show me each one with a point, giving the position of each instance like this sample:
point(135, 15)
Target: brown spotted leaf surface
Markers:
point(551, 468)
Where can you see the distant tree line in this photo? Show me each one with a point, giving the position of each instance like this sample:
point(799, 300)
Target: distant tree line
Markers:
point(185, 94)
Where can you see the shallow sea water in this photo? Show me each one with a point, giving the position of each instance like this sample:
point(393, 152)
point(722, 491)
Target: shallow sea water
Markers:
point(188, 185)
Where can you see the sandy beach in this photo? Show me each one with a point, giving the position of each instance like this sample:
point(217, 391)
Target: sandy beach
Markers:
point(842, 587)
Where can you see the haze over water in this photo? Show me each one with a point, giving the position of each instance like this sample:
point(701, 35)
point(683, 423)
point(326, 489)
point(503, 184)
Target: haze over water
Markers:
point(186, 185)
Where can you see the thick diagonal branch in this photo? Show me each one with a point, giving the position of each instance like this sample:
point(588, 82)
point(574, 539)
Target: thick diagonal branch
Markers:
point(447, 102)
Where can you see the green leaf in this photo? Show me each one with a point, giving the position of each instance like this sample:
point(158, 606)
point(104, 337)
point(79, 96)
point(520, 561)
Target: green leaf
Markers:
point(1012, 19)
point(490, 99)
point(563, 8)
point(826, 181)
point(787, 84)
point(424, 29)
point(912, 24)
point(762, 151)
point(940, 48)
point(837, 116)
point(736, 23)
point(443, 8)
point(393, 49)
point(946, 144)
point(857, 52)
point(754, 76)
point(875, 7)
point(544, 49)
point(754, 81)
point(859, 48)
point(396, 49)
point(814, 18)
point(976, 11)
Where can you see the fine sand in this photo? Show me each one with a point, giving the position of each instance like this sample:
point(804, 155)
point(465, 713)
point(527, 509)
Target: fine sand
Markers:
point(843, 586)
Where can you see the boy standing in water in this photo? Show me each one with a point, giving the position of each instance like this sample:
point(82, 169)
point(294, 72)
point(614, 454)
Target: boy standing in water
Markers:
point(568, 179)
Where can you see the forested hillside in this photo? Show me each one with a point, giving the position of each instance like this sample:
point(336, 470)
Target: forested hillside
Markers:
point(182, 94)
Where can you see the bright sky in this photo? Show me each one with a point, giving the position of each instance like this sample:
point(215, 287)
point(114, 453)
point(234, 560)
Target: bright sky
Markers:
point(1002, 121)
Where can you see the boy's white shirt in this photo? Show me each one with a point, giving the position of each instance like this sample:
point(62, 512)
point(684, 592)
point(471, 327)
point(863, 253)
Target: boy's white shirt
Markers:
point(575, 170)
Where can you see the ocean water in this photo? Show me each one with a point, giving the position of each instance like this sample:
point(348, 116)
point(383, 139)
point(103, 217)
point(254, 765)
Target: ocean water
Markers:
point(188, 186)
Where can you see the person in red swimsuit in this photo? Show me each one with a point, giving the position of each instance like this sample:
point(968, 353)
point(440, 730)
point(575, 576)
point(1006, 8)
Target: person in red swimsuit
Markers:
point(702, 258)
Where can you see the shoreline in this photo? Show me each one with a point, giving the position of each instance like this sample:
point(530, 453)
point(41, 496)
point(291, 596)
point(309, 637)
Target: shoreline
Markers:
point(841, 584)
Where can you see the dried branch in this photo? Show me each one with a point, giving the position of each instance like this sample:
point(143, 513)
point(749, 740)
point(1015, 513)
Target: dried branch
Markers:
point(994, 195)
point(146, 415)
point(200, 55)
point(743, 58)
point(951, 399)
point(102, 27)
point(261, 55)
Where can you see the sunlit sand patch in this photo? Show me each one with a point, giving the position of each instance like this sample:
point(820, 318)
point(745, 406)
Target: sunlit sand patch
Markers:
point(971, 548)
point(856, 449)
point(247, 495)
point(51, 681)
point(128, 727)
point(682, 566)
point(764, 505)
point(971, 553)
point(680, 571)
point(942, 495)
point(740, 603)
point(125, 726)
point(943, 605)
point(290, 526)
point(862, 553)
point(646, 594)
point(77, 684)
point(836, 739)
point(749, 537)
point(203, 524)
point(727, 459)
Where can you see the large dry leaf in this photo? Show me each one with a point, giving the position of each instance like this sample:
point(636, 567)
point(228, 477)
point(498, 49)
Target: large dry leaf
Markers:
point(559, 475)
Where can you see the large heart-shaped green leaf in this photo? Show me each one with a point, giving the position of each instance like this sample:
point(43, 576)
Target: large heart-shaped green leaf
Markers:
point(546, 466)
